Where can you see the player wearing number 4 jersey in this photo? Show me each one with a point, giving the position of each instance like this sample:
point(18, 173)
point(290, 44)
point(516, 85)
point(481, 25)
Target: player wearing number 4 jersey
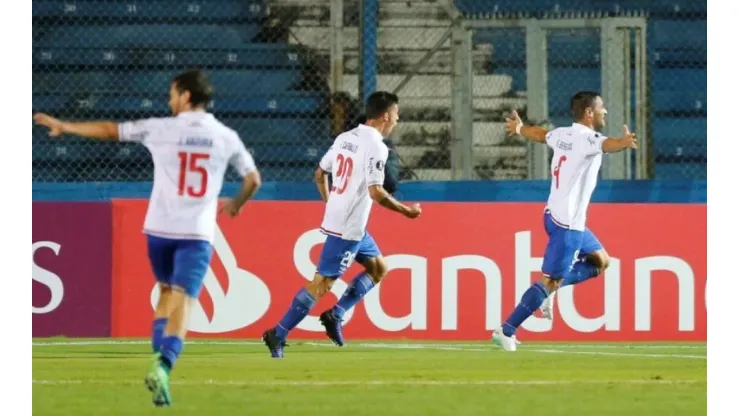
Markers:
point(356, 162)
point(573, 252)
point(191, 152)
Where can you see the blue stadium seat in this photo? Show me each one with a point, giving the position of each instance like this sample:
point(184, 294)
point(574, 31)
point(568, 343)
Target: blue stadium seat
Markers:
point(252, 55)
point(678, 34)
point(518, 77)
point(259, 131)
point(673, 171)
point(281, 173)
point(661, 7)
point(298, 152)
point(71, 150)
point(680, 137)
point(282, 103)
point(681, 100)
point(148, 35)
point(564, 82)
point(147, 9)
point(678, 58)
point(679, 79)
point(508, 44)
point(574, 47)
point(225, 82)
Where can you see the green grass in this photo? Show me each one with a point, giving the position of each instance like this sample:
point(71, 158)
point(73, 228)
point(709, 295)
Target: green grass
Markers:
point(378, 379)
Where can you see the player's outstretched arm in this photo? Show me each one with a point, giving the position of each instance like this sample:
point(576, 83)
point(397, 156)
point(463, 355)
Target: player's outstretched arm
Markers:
point(614, 144)
point(101, 130)
point(514, 126)
point(382, 197)
point(321, 178)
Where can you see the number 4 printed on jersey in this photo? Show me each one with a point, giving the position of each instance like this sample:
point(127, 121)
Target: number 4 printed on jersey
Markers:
point(344, 173)
point(556, 171)
point(190, 163)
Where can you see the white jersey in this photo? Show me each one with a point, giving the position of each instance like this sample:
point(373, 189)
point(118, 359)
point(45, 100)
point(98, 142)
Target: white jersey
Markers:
point(191, 153)
point(356, 160)
point(575, 168)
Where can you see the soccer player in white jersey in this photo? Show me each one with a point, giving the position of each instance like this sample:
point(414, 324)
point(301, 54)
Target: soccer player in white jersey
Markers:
point(191, 152)
point(356, 162)
point(573, 253)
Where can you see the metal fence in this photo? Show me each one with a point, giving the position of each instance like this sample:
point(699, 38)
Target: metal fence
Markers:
point(115, 59)
point(291, 74)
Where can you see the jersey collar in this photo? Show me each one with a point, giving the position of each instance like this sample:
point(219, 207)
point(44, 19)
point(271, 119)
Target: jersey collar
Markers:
point(373, 131)
point(195, 114)
point(580, 126)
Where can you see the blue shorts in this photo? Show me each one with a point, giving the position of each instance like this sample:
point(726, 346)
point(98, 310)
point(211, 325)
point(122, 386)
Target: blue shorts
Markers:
point(181, 263)
point(338, 254)
point(565, 247)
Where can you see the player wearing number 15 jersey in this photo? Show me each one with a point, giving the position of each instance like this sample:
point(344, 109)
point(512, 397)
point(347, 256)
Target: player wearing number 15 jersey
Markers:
point(191, 152)
point(573, 252)
point(356, 162)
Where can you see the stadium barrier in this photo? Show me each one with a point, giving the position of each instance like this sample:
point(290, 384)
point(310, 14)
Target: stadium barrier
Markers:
point(454, 275)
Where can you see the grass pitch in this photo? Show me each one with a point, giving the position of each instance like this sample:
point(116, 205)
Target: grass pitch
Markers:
point(94, 377)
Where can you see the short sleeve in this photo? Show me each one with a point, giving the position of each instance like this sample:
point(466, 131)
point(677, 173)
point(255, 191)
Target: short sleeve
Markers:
point(592, 143)
point(140, 131)
point(241, 160)
point(550, 139)
point(327, 160)
point(375, 164)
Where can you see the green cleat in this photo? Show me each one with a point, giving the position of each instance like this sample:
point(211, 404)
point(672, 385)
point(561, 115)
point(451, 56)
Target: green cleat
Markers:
point(158, 382)
point(149, 380)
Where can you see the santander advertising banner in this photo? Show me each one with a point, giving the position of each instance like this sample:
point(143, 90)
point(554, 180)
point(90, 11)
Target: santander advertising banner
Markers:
point(455, 274)
point(71, 275)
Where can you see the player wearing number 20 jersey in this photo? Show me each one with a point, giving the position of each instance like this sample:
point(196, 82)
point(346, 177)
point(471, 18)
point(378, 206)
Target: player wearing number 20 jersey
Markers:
point(191, 152)
point(573, 253)
point(356, 162)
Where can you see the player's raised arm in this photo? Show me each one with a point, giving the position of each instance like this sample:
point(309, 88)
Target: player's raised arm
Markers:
point(244, 164)
point(514, 126)
point(101, 130)
point(617, 144)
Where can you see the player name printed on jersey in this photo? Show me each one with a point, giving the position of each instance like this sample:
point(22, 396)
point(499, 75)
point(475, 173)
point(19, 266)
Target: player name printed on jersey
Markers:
point(355, 160)
point(455, 283)
point(575, 167)
point(191, 153)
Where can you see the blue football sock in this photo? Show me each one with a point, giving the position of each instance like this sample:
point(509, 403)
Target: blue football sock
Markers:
point(531, 300)
point(158, 326)
point(580, 272)
point(356, 290)
point(302, 304)
point(171, 349)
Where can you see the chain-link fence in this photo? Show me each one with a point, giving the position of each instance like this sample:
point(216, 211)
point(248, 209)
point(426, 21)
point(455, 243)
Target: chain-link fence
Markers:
point(658, 87)
point(114, 59)
point(289, 75)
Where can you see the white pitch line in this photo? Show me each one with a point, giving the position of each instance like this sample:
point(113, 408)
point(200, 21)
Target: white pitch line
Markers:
point(453, 347)
point(382, 345)
point(314, 383)
point(433, 347)
point(619, 354)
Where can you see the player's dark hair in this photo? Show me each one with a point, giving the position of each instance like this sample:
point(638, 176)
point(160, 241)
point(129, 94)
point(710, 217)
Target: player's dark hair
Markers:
point(378, 103)
point(196, 82)
point(580, 102)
